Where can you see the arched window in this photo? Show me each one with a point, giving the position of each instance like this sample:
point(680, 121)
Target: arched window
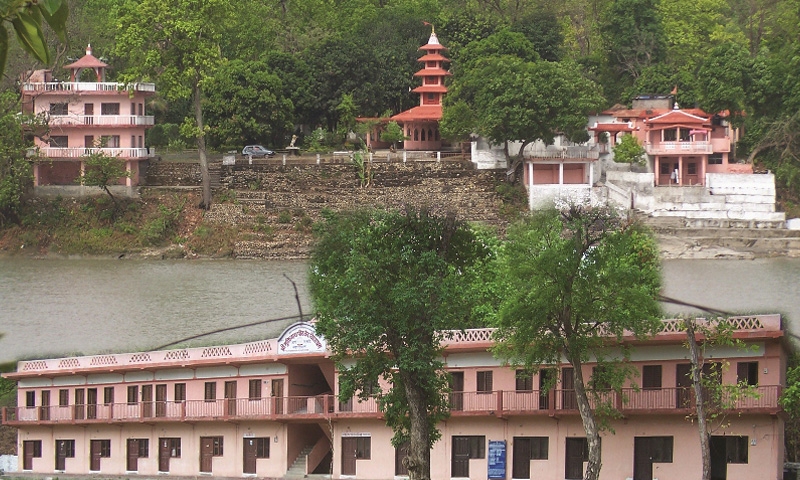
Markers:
point(423, 134)
point(416, 135)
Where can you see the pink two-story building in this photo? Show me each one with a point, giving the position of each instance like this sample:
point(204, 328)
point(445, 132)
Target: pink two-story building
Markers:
point(86, 114)
point(269, 409)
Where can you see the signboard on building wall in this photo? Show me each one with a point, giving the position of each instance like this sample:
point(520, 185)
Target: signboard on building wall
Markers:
point(300, 338)
point(497, 459)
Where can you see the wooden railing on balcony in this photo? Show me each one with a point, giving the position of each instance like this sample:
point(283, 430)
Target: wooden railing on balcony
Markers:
point(629, 401)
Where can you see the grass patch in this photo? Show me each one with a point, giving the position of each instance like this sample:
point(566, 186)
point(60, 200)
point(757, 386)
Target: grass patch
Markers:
point(213, 240)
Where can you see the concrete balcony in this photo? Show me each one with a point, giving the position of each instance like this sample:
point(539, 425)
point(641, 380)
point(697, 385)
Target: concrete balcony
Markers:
point(71, 87)
point(102, 120)
point(629, 401)
point(679, 148)
point(69, 153)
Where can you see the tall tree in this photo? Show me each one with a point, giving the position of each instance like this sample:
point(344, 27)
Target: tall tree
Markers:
point(177, 44)
point(387, 287)
point(16, 175)
point(575, 282)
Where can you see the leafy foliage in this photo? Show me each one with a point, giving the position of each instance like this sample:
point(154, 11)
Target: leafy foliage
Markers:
point(25, 17)
point(387, 286)
point(103, 171)
point(629, 150)
point(573, 282)
point(393, 134)
point(16, 174)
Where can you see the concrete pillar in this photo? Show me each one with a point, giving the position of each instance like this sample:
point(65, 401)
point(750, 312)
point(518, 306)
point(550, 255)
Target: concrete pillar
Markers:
point(405, 156)
point(561, 173)
point(318, 159)
point(591, 173)
point(438, 156)
point(284, 159)
point(129, 178)
point(680, 170)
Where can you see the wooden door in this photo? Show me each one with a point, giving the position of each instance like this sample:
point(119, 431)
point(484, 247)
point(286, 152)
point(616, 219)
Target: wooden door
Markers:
point(573, 469)
point(44, 409)
point(133, 455)
point(164, 454)
point(277, 395)
point(91, 403)
point(349, 453)
point(147, 401)
point(459, 465)
point(521, 466)
point(161, 400)
point(88, 111)
point(230, 398)
point(80, 404)
point(642, 459)
point(95, 450)
point(719, 458)
point(27, 454)
point(683, 384)
point(568, 399)
point(61, 455)
point(457, 390)
point(249, 456)
point(206, 454)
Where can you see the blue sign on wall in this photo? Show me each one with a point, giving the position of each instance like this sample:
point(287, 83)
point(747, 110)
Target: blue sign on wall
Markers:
point(497, 459)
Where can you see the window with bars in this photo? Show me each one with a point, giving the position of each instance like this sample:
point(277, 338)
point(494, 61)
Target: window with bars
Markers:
point(537, 446)
point(262, 447)
point(524, 381)
point(67, 447)
point(144, 447)
point(58, 109)
point(473, 445)
point(104, 448)
point(133, 394)
point(217, 443)
point(173, 445)
point(364, 448)
point(651, 377)
point(59, 141)
point(35, 447)
point(180, 392)
point(109, 109)
point(485, 381)
point(63, 397)
point(210, 391)
point(255, 389)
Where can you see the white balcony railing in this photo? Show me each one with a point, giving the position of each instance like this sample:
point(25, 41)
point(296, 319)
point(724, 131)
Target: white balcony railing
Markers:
point(123, 120)
point(77, 152)
point(679, 148)
point(87, 87)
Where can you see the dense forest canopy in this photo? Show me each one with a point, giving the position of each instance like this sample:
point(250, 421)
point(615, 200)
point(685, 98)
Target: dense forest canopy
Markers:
point(314, 63)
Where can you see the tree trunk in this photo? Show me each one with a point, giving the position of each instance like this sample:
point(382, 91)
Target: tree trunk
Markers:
point(589, 423)
point(418, 461)
point(705, 449)
point(197, 96)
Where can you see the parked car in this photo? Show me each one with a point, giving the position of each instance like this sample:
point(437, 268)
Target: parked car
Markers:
point(257, 151)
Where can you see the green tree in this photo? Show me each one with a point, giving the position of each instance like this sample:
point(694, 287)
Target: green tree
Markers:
point(103, 171)
point(25, 17)
point(575, 281)
point(393, 134)
point(387, 288)
point(629, 150)
point(244, 104)
point(16, 174)
point(457, 123)
point(177, 43)
point(723, 77)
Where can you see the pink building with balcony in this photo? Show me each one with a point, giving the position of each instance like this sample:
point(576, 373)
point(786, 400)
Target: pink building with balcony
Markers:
point(682, 144)
point(268, 409)
point(86, 114)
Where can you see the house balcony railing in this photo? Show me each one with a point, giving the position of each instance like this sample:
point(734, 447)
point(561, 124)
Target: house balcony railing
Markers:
point(104, 120)
point(68, 87)
point(679, 148)
point(55, 153)
point(629, 401)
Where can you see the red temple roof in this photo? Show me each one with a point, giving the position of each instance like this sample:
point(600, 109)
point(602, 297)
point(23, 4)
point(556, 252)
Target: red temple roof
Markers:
point(426, 112)
point(432, 72)
point(87, 61)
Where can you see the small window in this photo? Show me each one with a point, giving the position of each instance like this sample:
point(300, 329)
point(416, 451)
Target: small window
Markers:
point(144, 447)
point(108, 395)
point(475, 445)
point(747, 373)
point(691, 168)
point(665, 168)
point(661, 449)
point(217, 446)
point(670, 135)
point(262, 447)
point(59, 141)
point(63, 397)
point(105, 448)
point(364, 448)
point(33, 446)
point(30, 399)
point(211, 391)
point(109, 109)
point(485, 381)
point(736, 449)
point(66, 446)
point(685, 136)
point(58, 109)
point(173, 445)
point(715, 159)
point(180, 392)
point(538, 446)
point(133, 394)
point(651, 377)
point(524, 381)
point(255, 389)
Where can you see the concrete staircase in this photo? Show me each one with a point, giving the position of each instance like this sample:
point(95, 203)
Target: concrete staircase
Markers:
point(298, 468)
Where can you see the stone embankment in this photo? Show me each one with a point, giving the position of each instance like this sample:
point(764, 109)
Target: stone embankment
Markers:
point(282, 201)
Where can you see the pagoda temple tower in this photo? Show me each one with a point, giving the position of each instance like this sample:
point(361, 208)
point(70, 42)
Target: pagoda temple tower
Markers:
point(421, 123)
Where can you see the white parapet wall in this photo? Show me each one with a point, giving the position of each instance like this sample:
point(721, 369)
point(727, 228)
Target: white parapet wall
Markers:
point(8, 463)
point(544, 196)
point(488, 157)
point(727, 199)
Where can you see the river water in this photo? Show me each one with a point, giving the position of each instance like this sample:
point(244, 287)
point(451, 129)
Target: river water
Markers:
point(64, 307)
